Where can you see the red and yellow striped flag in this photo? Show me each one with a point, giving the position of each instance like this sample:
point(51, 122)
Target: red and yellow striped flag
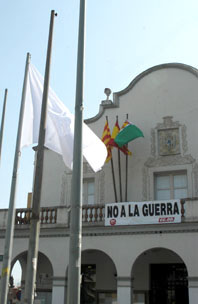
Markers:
point(125, 124)
point(106, 137)
point(115, 132)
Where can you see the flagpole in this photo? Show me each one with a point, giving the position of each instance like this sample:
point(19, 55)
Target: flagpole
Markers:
point(74, 270)
point(113, 174)
point(35, 218)
point(2, 120)
point(126, 184)
point(120, 179)
point(11, 211)
point(119, 168)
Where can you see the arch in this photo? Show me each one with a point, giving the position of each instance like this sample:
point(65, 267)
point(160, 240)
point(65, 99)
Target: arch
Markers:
point(156, 249)
point(23, 254)
point(160, 273)
point(16, 274)
point(43, 276)
point(101, 252)
point(103, 272)
point(98, 250)
point(98, 274)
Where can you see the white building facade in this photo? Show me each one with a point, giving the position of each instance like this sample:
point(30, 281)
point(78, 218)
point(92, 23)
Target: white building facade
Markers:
point(139, 264)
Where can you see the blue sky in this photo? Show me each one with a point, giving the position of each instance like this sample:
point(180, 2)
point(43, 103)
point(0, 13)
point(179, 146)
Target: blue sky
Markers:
point(123, 38)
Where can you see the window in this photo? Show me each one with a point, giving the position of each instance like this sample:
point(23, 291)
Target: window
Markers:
point(171, 185)
point(88, 192)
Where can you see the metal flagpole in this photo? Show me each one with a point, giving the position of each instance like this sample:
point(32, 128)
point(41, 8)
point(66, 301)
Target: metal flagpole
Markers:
point(113, 174)
point(126, 183)
point(35, 218)
point(2, 120)
point(74, 276)
point(120, 177)
point(119, 169)
point(11, 211)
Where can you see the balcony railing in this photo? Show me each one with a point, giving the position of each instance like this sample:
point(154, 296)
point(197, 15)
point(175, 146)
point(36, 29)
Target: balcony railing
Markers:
point(47, 216)
point(91, 214)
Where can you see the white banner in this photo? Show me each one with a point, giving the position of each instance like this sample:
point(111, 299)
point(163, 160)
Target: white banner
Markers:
point(138, 213)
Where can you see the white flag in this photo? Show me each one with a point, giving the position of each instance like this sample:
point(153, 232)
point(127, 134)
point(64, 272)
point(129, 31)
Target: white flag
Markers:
point(59, 127)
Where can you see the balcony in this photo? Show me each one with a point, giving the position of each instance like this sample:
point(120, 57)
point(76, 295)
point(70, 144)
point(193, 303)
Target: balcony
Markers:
point(92, 215)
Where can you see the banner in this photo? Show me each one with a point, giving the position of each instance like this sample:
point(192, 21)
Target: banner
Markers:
point(141, 213)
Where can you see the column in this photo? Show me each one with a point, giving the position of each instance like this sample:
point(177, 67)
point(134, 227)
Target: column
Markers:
point(193, 290)
point(59, 290)
point(124, 290)
point(22, 289)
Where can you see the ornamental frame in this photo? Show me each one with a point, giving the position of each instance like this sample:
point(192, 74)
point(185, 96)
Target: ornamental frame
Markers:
point(164, 160)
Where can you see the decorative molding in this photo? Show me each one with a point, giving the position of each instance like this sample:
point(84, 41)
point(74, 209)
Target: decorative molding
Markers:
point(169, 147)
point(184, 139)
point(168, 138)
point(153, 143)
point(195, 179)
point(59, 281)
point(101, 188)
point(65, 188)
point(103, 106)
point(168, 123)
point(86, 168)
point(168, 142)
point(106, 102)
point(169, 129)
point(124, 281)
point(192, 282)
point(144, 183)
point(97, 231)
point(171, 160)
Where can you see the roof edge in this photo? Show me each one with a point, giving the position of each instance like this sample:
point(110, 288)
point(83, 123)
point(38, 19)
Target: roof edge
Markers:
point(115, 103)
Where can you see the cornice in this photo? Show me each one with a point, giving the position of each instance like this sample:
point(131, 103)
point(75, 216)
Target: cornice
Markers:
point(98, 231)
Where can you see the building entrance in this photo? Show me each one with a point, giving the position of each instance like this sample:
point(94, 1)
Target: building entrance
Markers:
point(168, 284)
point(99, 285)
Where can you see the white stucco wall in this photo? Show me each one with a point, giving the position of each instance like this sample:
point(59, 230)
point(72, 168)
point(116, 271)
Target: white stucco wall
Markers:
point(115, 255)
point(54, 169)
point(171, 90)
